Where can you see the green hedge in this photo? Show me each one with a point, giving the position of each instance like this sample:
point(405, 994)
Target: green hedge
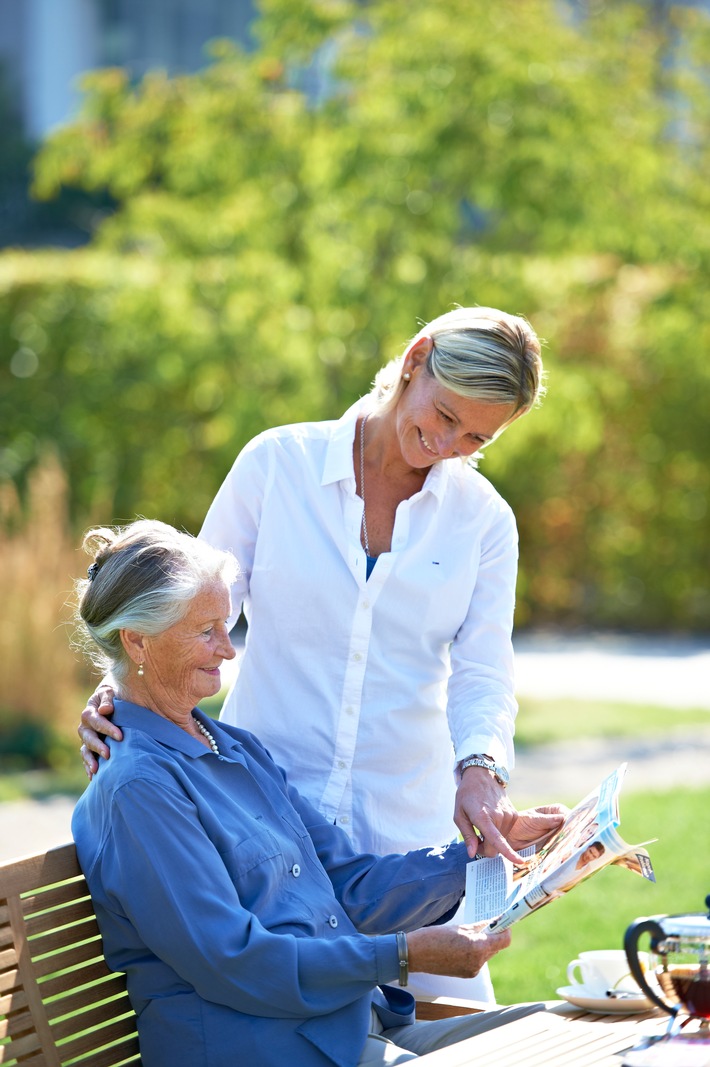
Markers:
point(271, 247)
point(147, 377)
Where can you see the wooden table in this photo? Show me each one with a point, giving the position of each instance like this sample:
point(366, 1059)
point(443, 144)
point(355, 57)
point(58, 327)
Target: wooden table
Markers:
point(560, 1036)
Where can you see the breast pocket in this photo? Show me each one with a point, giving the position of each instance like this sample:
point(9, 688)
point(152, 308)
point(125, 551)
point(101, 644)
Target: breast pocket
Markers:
point(256, 866)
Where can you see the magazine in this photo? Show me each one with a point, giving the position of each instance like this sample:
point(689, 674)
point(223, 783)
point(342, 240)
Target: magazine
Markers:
point(500, 893)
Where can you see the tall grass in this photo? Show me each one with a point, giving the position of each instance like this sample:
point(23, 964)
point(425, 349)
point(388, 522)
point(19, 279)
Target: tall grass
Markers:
point(42, 681)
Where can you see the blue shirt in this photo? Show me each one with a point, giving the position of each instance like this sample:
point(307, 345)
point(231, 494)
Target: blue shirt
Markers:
point(247, 925)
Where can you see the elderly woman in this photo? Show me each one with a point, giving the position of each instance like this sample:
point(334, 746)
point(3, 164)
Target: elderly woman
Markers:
point(247, 924)
point(378, 581)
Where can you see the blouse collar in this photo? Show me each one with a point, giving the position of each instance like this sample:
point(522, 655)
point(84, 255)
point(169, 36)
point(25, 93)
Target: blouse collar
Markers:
point(338, 463)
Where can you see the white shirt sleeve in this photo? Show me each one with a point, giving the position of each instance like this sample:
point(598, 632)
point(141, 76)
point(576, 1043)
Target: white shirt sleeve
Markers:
point(481, 705)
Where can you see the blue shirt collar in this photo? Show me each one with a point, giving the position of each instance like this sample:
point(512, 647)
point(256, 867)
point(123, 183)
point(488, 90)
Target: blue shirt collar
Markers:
point(137, 717)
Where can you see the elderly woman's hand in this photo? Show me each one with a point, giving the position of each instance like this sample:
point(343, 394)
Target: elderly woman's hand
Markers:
point(483, 803)
point(459, 951)
point(94, 722)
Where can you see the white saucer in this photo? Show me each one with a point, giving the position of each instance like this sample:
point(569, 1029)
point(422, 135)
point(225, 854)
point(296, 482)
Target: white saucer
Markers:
point(590, 1001)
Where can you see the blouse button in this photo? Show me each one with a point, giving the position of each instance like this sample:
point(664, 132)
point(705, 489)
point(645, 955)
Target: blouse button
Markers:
point(295, 870)
point(332, 921)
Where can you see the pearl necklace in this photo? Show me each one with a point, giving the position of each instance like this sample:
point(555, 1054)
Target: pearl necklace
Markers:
point(205, 733)
point(366, 544)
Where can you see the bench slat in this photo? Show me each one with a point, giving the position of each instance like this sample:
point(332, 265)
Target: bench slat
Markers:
point(55, 896)
point(73, 911)
point(59, 937)
point(94, 1016)
point(32, 1061)
point(20, 1047)
point(67, 958)
point(89, 1042)
point(19, 1022)
point(8, 958)
point(78, 999)
point(9, 980)
point(44, 869)
point(59, 1002)
point(127, 1053)
point(13, 1002)
point(66, 983)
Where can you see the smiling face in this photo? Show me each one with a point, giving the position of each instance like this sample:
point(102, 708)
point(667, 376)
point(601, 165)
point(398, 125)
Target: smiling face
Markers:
point(591, 853)
point(181, 665)
point(434, 423)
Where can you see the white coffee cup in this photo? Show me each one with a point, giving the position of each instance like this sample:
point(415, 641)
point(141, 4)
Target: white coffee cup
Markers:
point(604, 969)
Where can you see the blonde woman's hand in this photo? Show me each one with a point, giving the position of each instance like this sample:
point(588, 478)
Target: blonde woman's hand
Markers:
point(483, 805)
point(95, 721)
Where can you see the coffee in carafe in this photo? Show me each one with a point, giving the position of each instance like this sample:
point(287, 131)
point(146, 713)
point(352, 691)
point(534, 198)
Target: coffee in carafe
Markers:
point(688, 985)
point(680, 951)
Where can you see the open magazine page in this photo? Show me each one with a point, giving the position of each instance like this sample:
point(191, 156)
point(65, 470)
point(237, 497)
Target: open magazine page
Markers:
point(501, 893)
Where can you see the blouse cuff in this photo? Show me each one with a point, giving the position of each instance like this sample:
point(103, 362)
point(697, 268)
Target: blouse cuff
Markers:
point(387, 957)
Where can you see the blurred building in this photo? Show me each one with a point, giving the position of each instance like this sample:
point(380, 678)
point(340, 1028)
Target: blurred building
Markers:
point(45, 45)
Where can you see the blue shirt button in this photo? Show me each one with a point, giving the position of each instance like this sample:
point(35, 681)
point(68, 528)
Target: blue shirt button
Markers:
point(295, 870)
point(332, 921)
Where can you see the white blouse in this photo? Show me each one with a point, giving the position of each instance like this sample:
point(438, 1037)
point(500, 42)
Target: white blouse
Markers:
point(349, 682)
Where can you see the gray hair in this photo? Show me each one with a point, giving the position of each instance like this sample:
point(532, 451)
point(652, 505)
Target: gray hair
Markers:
point(143, 578)
point(479, 353)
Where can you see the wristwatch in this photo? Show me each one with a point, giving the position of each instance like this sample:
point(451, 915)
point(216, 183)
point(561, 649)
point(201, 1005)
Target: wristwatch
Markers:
point(499, 772)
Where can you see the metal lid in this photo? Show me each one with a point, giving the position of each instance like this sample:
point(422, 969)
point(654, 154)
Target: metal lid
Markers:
point(687, 930)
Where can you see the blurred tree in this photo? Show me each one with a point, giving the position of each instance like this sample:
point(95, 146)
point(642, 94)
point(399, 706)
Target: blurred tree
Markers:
point(286, 218)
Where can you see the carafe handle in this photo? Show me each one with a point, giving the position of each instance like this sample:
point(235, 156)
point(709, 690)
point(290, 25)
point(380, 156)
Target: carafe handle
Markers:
point(631, 940)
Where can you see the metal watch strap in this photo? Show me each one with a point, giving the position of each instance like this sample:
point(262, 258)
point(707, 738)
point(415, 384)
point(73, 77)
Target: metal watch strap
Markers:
point(499, 773)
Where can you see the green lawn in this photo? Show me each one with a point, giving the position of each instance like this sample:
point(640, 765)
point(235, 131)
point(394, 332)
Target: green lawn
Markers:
point(543, 722)
point(68, 780)
point(596, 913)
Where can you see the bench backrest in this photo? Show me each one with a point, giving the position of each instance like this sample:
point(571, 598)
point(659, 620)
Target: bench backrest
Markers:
point(59, 1003)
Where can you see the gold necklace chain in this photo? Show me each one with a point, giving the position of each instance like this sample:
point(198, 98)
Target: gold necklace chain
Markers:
point(362, 484)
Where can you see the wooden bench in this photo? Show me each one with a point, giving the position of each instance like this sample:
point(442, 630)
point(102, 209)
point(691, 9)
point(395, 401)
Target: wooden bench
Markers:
point(59, 1002)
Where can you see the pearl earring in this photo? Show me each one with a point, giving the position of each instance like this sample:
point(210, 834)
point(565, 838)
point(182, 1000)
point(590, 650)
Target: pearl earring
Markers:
point(407, 376)
point(140, 670)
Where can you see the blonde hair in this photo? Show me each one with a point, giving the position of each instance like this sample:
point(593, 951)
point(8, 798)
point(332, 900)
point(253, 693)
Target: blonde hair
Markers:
point(480, 353)
point(143, 578)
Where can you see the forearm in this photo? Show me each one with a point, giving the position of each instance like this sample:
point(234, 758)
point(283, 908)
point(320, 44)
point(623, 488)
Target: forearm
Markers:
point(385, 893)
